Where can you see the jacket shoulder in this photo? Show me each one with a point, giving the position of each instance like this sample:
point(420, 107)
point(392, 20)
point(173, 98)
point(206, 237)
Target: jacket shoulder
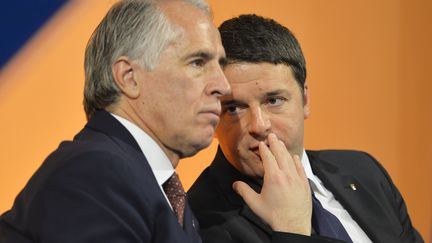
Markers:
point(345, 159)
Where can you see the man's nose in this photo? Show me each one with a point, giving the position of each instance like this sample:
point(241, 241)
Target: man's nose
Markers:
point(219, 85)
point(259, 125)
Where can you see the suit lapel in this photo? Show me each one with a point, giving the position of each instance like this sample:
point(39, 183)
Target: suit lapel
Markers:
point(190, 225)
point(105, 123)
point(254, 219)
point(355, 197)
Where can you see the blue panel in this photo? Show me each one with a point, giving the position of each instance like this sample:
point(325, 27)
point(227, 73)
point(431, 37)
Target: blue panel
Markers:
point(19, 20)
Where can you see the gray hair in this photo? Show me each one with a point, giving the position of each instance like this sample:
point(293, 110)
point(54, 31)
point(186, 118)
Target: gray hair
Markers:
point(134, 28)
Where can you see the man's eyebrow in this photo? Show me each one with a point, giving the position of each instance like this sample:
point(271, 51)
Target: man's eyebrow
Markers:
point(201, 54)
point(231, 102)
point(277, 92)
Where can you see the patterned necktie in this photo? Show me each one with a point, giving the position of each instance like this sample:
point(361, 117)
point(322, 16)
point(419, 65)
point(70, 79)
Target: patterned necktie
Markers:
point(176, 195)
point(326, 224)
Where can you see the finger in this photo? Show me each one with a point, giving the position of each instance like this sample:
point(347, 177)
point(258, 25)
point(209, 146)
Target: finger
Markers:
point(299, 167)
point(281, 154)
point(247, 193)
point(268, 159)
point(301, 172)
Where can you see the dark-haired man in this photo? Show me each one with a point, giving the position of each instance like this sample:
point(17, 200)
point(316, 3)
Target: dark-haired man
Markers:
point(258, 188)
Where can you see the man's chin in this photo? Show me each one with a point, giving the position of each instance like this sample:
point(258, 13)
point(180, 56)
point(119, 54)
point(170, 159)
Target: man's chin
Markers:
point(193, 149)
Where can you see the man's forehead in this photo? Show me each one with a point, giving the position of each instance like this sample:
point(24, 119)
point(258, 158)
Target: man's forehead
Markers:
point(182, 13)
point(256, 81)
point(192, 26)
point(246, 95)
point(258, 73)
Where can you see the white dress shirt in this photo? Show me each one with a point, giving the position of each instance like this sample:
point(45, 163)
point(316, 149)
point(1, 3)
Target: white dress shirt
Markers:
point(157, 159)
point(329, 202)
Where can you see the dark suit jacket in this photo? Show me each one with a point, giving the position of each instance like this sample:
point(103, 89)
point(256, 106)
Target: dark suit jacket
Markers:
point(376, 205)
point(97, 188)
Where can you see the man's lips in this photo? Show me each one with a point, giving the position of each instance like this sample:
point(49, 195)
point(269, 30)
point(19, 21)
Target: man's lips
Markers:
point(256, 151)
point(256, 146)
point(215, 111)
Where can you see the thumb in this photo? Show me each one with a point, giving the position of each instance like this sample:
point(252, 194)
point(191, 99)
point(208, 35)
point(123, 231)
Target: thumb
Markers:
point(246, 192)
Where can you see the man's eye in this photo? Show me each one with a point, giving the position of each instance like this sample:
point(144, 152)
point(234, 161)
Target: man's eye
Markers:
point(232, 109)
point(275, 101)
point(198, 63)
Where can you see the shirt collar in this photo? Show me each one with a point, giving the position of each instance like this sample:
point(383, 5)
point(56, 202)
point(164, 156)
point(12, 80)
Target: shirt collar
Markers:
point(157, 159)
point(315, 182)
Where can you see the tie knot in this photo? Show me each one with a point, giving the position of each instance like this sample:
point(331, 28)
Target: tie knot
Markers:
point(173, 186)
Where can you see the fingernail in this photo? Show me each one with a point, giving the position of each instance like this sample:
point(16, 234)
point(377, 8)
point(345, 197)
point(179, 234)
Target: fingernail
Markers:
point(273, 136)
point(234, 186)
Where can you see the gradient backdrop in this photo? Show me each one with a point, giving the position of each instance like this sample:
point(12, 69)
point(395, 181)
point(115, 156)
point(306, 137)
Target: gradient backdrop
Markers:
point(368, 62)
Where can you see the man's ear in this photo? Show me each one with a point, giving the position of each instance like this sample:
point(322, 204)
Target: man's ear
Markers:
point(123, 73)
point(306, 102)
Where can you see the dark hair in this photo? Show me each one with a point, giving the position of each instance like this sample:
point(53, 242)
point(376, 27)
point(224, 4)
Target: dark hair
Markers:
point(255, 39)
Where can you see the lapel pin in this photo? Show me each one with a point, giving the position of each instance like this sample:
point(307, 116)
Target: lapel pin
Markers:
point(353, 187)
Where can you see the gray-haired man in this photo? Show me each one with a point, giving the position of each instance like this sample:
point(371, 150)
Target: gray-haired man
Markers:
point(153, 83)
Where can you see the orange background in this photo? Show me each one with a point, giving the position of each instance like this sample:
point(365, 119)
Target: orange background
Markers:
point(368, 74)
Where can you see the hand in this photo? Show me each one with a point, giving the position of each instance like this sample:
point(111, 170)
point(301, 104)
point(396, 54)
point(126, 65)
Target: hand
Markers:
point(285, 200)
